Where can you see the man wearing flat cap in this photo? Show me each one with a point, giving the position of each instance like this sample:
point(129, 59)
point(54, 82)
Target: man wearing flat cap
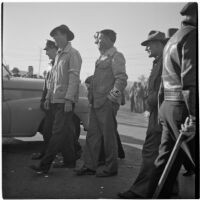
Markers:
point(179, 105)
point(106, 87)
point(63, 94)
point(51, 50)
point(154, 46)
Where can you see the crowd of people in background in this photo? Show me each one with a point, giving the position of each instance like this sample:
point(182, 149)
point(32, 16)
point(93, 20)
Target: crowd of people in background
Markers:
point(137, 96)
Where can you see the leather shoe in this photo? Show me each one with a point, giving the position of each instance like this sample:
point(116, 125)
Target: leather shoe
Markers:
point(121, 155)
point(38, 170)
point(85, 171)
point(63, 165)
point(37, 156)
point(106, 174)
point(129, 195)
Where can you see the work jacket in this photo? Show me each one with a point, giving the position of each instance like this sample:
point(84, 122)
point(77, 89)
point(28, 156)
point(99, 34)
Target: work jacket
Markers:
point(66, 76)
point(109, 78)
point(179, 65)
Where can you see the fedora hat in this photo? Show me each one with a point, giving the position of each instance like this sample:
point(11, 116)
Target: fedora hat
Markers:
point(170, 33)
point(154, 36)
point(63, 29)
point(50, 45)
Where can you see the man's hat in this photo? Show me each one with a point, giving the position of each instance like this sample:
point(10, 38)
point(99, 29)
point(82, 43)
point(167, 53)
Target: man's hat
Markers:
point(170, 33)
point(50, 45)
point(63, 29)
point(110, 34)
point(154, 36)
point(189, 8)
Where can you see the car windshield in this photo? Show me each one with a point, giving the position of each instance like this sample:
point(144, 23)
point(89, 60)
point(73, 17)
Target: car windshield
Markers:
point(6, 71)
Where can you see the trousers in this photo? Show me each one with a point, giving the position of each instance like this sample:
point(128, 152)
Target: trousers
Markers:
point(172, 115)
point(102, 128)
point(149, 154)
point(62, 139)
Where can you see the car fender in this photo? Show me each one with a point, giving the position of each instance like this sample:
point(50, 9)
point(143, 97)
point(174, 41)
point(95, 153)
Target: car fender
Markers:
point(21, 117)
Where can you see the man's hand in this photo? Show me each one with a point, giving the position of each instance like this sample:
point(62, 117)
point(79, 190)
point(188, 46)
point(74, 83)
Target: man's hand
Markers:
point(47, 105)
point(146, 114)
point(188, 129)
point(42, 105)
point(68, 106)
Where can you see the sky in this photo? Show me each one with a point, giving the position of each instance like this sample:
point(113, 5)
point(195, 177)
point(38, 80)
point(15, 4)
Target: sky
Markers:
point(26, 26)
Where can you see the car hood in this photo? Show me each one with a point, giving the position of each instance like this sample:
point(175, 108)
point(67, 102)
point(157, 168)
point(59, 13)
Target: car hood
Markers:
point(24, 83)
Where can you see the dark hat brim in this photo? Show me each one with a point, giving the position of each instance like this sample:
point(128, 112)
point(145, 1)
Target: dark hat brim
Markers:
point(146, 42)
point(70, 34)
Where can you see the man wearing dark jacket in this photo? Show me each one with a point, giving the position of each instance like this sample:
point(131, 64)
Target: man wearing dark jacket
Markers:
point(154, 47)
point(179, 85)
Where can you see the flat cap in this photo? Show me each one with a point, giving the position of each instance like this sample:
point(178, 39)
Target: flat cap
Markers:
point(189, 8)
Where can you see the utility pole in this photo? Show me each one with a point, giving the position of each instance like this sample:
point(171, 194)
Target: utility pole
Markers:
point(40, 61)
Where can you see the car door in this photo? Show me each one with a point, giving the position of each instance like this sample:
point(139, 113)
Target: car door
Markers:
point(22, 117)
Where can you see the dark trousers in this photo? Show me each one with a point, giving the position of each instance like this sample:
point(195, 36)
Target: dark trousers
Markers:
point(76, 121)
point(149, 154)
point(172, 115)
point(47, 128)
point(121, 153)
point(132, 103)
point(102, 128)
point(62, 139)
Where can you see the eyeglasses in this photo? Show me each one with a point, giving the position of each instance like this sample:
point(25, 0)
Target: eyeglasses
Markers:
point(96, 37)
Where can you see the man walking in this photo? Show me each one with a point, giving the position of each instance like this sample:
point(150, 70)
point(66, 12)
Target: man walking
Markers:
point(179, 82)
point(63, 94)
point(154, 47)
point(51, 50)
point(107, 86)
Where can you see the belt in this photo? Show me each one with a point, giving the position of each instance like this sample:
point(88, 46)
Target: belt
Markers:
point(173, 95)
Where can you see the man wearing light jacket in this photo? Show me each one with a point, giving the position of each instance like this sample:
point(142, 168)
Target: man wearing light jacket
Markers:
point(63, 95)
point(107, 86)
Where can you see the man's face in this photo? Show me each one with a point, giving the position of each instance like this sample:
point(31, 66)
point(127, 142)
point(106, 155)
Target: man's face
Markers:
point(60, 39)
point(51, 53)
point(154, 48)
point(103, 42)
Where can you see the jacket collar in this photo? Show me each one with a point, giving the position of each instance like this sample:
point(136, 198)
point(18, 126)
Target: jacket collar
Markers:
point(66, 49)
point(157, 59)
point(110, 52)
point(188, 23)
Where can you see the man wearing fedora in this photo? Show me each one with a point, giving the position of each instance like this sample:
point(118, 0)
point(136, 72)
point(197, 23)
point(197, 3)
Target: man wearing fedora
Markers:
point(106, 88)
point(154, 47)
point(63, 94)
point(179, 86)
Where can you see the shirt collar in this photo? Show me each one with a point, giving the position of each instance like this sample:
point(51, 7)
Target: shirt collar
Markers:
point(157, 59)
point(110, 52)
point(66, 49)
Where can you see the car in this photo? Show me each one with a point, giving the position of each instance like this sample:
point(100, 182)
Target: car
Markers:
point(21, 112)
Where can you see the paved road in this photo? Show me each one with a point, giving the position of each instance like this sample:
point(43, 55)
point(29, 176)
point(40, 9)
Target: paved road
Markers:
point(20, 182)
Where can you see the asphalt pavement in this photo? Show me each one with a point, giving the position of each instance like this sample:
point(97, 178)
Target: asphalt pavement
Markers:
point(20, 182)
